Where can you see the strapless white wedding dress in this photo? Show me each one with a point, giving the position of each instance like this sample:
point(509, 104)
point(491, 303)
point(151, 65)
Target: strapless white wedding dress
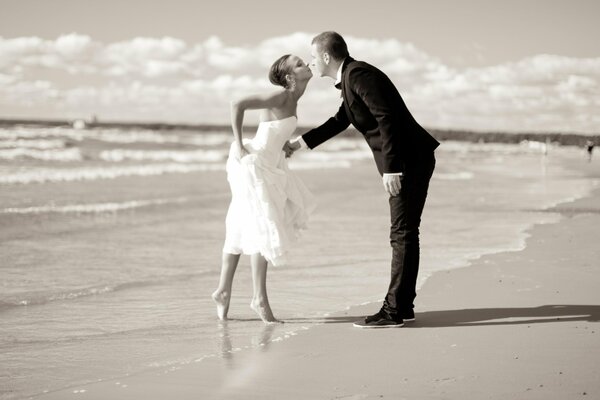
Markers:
point(270, 205)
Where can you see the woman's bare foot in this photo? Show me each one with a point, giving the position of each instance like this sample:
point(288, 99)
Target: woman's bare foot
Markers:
point(221, 299)
point(264, 311)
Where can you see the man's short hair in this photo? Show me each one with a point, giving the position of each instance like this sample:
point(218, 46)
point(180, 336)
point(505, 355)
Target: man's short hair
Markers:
point(333, 43)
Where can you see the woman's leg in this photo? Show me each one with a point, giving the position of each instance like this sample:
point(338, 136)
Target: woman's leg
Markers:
point(222, 295)
point(260, 301)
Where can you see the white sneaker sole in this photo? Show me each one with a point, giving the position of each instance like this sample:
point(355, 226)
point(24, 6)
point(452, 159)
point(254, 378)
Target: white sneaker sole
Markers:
point(365, 326)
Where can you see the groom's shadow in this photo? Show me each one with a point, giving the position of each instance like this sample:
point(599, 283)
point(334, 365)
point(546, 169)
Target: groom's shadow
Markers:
point(493, 316)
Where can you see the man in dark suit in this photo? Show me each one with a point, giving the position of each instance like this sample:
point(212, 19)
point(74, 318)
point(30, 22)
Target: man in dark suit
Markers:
point(403, 152)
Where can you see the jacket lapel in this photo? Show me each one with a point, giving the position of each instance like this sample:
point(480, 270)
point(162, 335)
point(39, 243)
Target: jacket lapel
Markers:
point(346, 93)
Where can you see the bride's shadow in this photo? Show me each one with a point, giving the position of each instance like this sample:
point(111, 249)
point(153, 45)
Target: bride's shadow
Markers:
point(491, 316)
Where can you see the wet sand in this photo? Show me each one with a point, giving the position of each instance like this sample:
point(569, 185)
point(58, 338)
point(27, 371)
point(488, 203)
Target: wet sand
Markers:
point(513, 325)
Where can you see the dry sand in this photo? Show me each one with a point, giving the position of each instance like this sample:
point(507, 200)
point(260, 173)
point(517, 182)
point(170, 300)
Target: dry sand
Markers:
point(516, 325)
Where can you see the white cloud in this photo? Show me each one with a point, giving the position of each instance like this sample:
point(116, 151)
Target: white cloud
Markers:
point(73, 45)
point(166, 78)
point(539, 93)
point(166, 48)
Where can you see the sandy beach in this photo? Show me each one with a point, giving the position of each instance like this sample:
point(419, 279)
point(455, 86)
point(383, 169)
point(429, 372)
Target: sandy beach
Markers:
point(513, 325)
point(118, 199)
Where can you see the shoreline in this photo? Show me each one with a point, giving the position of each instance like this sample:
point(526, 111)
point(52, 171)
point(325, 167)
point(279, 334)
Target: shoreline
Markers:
point(512, 320)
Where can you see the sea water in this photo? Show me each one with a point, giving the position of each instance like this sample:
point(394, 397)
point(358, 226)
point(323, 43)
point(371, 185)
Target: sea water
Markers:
point(110, 243)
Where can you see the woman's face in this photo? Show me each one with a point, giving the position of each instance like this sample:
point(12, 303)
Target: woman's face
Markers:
point(299, 69)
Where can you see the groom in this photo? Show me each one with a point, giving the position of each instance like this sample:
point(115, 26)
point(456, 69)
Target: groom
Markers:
point(403, 152)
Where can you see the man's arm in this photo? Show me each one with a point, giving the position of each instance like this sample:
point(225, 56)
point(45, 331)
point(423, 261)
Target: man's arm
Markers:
point(329, 129)
point(376, 93)
point(316, 136)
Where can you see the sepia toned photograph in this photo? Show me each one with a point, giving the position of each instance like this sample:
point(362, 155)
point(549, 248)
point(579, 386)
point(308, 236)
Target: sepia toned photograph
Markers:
point(336, 200)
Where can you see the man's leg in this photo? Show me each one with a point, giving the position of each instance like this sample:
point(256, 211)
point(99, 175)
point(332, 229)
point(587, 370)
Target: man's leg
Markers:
point(405, 211)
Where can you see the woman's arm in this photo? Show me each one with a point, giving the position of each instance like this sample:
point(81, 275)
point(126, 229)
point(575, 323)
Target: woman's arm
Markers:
point(254, 102)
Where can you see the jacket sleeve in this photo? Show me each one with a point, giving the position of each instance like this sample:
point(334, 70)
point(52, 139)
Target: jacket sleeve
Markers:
point(375, 92)
point(329, 129)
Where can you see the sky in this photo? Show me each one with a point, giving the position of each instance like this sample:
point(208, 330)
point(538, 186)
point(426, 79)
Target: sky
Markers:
point(528, 65)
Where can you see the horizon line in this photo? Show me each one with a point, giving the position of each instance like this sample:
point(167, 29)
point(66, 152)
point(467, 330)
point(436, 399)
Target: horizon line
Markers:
point(70, 122)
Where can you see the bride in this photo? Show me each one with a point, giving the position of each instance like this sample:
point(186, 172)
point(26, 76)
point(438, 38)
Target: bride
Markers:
point(269, 203)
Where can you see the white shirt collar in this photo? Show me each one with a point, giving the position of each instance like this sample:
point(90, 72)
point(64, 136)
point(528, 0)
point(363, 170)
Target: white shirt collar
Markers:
point(338, 78)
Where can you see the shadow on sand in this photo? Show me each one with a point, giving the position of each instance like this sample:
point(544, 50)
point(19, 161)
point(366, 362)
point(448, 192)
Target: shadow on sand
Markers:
point(489, 316)
point(428, 319)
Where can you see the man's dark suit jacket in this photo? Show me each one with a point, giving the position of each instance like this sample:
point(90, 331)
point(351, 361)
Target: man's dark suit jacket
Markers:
point(373, 105)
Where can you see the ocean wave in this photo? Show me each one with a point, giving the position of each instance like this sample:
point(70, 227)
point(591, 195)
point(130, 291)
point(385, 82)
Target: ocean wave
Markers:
point(114, 135)
point(128, 137)
point(135, 136)
point(92, 208)
point(29, 175)
point(525, 147)
point(42, 144)
point(345, 144)
point(21, 132)
point(456, 176)
point(64, 155)
point(42, 298)
point(326, 156)
point(117, 155)
point(307, 165)
point(43, 175)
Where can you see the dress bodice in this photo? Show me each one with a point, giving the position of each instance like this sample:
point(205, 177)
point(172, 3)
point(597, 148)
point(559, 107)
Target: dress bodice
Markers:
point(271, 136)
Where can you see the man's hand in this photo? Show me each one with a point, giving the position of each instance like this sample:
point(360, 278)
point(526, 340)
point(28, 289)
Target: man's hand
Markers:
point(392, 184)
point(290, 147)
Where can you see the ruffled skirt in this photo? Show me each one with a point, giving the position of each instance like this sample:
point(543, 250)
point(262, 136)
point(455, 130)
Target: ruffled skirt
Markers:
point(269, 207)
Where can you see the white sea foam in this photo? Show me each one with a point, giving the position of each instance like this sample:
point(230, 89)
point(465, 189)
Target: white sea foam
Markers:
point(93, 207)
point(345, 144)
point(21, 132)
point(456, 176)
point(115, 135)
point(41, 175)
point(33, 144)
point(524, 147)
point(305, 165)
point(163, 155)
point(208, 139)
point(326, 156)
point(135, 136)
point(72, 154)
point(21, 175)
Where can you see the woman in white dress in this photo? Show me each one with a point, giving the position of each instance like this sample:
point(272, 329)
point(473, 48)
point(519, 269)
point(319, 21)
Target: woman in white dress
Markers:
point(269, 204)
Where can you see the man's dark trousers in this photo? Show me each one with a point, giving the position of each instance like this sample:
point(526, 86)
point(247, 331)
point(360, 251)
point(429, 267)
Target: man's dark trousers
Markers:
point(406, 209)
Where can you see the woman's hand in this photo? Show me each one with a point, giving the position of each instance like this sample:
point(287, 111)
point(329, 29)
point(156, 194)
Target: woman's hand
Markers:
point(243, 151)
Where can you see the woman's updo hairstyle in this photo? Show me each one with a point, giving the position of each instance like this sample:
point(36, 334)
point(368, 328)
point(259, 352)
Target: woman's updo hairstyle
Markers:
point(279, 70)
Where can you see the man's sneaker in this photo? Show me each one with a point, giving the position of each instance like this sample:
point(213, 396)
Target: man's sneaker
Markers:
point(407, 316)
point(377, 316)
point(378, 323)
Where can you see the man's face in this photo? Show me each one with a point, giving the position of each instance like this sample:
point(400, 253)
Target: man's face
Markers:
point(317, 60)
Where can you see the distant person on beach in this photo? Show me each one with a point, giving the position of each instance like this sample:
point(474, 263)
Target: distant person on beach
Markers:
point(590, 149)
point(404, 155)
point(269, 204)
